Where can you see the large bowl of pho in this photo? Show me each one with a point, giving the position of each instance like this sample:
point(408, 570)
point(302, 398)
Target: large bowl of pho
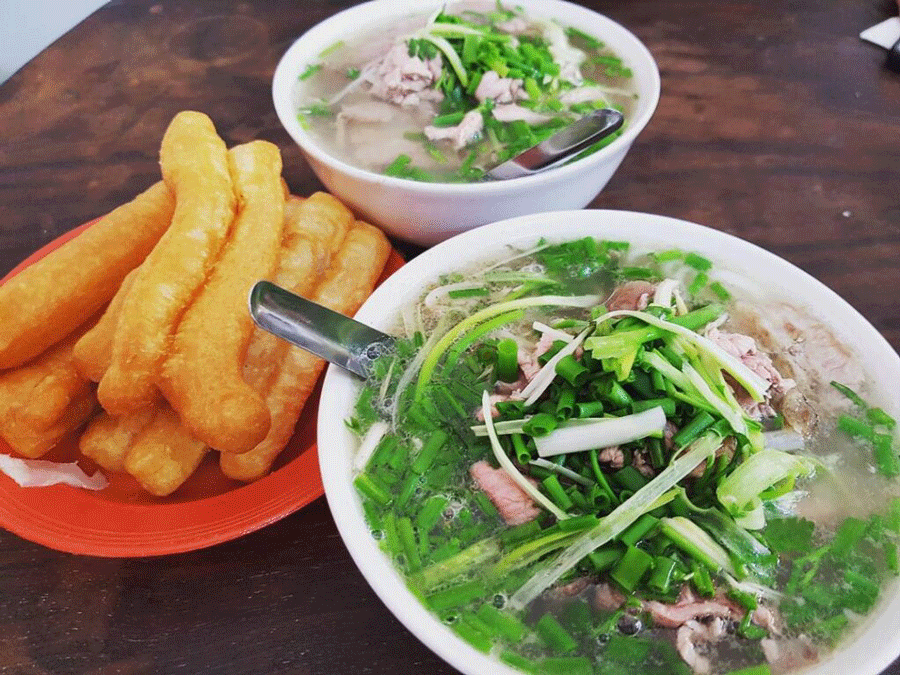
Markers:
point(400, 109)
point(611, 442)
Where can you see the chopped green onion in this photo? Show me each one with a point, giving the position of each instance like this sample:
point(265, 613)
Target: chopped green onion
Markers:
point(698, 262)
point(507, 368)
point(554, 635)
point(372, 488)
point(311, 70)
point(633, 566)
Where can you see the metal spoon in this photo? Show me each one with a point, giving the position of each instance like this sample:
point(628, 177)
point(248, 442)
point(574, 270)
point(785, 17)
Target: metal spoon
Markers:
point(561, 146)
point(317, 329)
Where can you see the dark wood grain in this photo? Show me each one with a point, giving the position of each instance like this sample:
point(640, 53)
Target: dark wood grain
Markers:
point(775, 124)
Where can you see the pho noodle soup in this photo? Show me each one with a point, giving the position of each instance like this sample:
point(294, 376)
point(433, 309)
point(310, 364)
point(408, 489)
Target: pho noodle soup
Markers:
point(443, 98)
point(587, 460)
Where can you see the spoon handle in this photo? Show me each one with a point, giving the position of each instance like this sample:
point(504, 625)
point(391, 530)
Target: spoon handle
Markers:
point(561, 146)
point(317, 329)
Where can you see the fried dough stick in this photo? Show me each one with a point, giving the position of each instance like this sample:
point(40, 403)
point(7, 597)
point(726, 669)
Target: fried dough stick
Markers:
point(107, 439)
point(348, 281)
point(48, 300)
point(314, 230)
point(194, 164)
point(202, 377)
point(93, 352)
point(164, 454)
point(43, 400)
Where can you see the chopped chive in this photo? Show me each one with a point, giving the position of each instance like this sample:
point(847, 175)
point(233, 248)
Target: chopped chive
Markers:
point(690, 431)
point(632, 568)
point(486, 505)
point(391, 542)
point(523, 453)
point(410, 483)
point(577, 523)
point(311, 70)
point(474, 637)
point(701, 579)
point(456, 596)
point(448, 120)
point(572, 371)
point(566, 665)
point(468, 292)
point(331, 49)
point(410, 546)
point(878, 416)
point(663, 572)
point(372, 488)
point(643, 526)
point(431, 512)
point(667, 404)
point(353, 73)
point(429, 451)
point(515, 660)
point(886, 460)
point(589, 409)
point(698, 284)
point(761, 669)
point(604, 558)
point(637, 273)
point(507, 367)
point(720, 291)
point(554, 635)
point(540, 424)
point(316, 110)
point(502, 622)
point(589, 40)
point(565, 404)
point(856, 428)
point(849, 393)
point(668, 256)
point(556, 492)
point(698, 262)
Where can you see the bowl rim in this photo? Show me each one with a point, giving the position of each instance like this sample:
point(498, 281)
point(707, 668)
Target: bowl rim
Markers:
point(284, 81)
point(868, 652)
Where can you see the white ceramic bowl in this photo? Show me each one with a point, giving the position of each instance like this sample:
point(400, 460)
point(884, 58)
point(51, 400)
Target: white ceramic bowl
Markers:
point(872, 649)
point(426, 213)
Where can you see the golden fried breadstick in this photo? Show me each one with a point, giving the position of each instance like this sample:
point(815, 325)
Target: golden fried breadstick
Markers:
point(45, 302)
point(194, 164)
point(93, 351)
point(107, 439)
point(34, 442)
point(44, 399)
point(164, 454)
point(202, 377)
point(348, 281)
point(314, 230)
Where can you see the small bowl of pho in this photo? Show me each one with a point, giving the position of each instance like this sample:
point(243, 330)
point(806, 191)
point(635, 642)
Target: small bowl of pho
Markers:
point(401, 112)
point(605, 443)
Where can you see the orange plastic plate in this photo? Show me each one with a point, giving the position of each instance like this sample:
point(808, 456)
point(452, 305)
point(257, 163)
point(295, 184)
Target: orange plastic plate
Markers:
point(123, 520)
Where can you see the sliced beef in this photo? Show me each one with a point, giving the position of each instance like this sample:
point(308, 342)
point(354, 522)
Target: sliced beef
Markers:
point(514, 505)
point(633, 295)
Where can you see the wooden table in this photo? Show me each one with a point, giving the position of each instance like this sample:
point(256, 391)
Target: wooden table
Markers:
point(775, 124)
